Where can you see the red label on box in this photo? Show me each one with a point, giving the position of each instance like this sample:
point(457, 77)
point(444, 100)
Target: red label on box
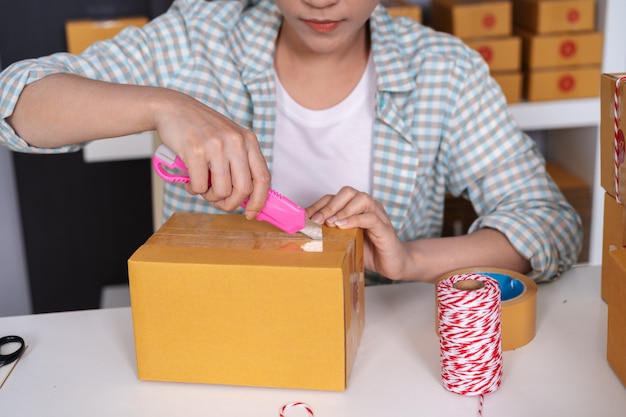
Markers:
point(567, 83)
point(573, 15)
point(486, 52)
point(568, 49)
point(489, 20)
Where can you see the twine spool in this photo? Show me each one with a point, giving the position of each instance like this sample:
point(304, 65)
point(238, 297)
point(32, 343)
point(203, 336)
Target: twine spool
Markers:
point(470, 334)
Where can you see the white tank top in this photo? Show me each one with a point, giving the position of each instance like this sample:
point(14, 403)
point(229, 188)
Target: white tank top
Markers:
point(316, 152)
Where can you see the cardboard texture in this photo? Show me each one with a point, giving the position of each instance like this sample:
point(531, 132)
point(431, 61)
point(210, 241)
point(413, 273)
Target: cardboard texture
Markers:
point(397, 8)
point(613, 237)
point(616, 331)
point(560, 50)
point(223, 300)
point(562, 83)
point(472, 19)
point(511, 83)
point(500, 53)
point(554, 16)
point(80, 34)
point(609, 178)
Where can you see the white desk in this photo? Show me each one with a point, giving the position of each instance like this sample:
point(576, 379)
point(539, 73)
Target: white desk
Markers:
point(83, 364)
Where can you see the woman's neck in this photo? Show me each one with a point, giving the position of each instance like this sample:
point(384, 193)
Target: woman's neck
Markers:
point(320, 79)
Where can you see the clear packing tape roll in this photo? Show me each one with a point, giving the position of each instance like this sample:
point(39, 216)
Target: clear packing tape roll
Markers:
point(518, 305)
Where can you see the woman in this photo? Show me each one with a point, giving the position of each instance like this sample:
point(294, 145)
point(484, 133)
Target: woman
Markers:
point(366, 120)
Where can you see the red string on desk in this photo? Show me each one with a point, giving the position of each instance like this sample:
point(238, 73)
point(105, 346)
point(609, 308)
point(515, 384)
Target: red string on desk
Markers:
point(470, 335)
point(298, 405)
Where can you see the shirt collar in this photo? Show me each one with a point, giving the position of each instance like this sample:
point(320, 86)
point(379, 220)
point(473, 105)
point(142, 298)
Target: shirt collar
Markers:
point(392, 72)
point(252, 40)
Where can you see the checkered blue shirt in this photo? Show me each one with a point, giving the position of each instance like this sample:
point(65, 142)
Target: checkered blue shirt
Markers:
point(441, 124)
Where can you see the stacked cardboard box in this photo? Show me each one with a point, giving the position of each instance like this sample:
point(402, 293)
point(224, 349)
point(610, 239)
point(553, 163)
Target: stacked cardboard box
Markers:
point(397, 8)
point(81, 33)
point(561, 51)
point(577, 192)
point(613, 180)
point(485, 26)
point(616, 326)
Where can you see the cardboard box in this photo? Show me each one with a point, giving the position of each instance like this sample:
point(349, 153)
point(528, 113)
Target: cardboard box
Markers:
point(612, 151)
point(560, 50)
point(562, 83)
point(223, 300)
point(500, 53)
point(80, 34)
point(511, 83)
point(616, 331)
point(578, 193)
point(613, 237)
point(458, 216)
point(472, 19)
point(553, 16)
point(397, 8)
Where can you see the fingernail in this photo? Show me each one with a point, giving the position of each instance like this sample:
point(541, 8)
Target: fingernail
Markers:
point(318, 218)
point(331, 220)
point(341, 222)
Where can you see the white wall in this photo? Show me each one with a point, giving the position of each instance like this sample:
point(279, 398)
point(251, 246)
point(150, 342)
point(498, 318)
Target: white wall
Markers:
point(14, 291)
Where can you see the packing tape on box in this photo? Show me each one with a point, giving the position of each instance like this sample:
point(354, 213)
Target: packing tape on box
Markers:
point(518, 308)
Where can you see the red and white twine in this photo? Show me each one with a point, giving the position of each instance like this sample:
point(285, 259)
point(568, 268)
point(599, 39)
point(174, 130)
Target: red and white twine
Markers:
point(295, 405)
point(470, 335)
point(617, 144)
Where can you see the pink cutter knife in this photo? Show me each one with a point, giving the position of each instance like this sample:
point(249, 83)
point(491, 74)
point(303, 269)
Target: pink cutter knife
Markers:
point(278, 210)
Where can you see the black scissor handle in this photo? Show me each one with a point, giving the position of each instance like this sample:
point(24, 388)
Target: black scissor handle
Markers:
point(11, 357)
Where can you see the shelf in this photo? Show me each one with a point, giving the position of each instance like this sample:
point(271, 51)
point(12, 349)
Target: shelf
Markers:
point(560, 114)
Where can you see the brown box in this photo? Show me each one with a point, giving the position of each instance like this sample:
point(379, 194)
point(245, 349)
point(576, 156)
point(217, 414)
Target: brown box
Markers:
point(612, 148)
point(223, 300)
point(397, 8)
point(560, 50)
point(616, 329)
point(472, 19)
point(500, 53)
point(458, 215)
point(562, 83)
point(553, 16)
point(80, 34)
point(613, 237)
point(578, 193)
point(511, 83)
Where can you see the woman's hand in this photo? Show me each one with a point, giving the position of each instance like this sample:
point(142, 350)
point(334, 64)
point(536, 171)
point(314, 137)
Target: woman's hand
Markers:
point(211, 144)
point(349, 208)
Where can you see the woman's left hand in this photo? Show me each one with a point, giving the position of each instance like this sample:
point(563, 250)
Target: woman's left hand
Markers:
point(349, 208)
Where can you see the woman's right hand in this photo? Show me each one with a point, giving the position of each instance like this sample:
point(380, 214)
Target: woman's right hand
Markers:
point(211, 144)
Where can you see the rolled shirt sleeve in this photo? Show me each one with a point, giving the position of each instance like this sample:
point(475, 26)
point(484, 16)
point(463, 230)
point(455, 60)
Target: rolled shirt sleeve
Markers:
point(500, 169)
